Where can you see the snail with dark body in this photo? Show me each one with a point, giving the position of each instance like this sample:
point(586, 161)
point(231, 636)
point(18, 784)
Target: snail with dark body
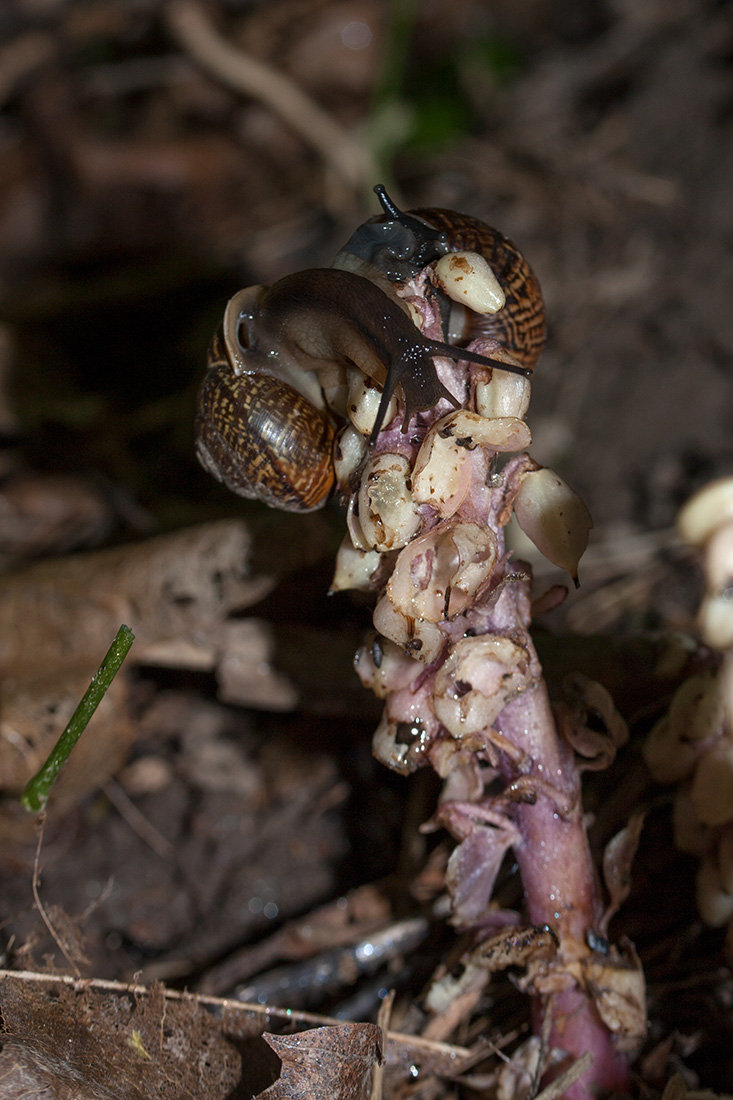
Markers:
point(263, 425)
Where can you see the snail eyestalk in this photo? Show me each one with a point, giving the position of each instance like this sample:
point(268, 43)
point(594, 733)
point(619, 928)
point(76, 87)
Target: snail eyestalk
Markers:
point(387, 205)
point(424, 231)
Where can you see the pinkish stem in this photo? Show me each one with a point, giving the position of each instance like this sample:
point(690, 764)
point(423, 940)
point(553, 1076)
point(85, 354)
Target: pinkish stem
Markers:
point(560, 884)
point(554, 857)
point(577, 1028)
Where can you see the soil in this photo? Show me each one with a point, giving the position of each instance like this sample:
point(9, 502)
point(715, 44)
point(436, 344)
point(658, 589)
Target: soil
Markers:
point(137, 194)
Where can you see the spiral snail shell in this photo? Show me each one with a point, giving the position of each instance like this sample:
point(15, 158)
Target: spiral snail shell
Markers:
point(263, 426)
point(520, 325)
point(261, 437)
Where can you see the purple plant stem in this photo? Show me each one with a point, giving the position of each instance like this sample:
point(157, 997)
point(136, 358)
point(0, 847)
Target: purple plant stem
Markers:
point(558, 876)
point(560, 886)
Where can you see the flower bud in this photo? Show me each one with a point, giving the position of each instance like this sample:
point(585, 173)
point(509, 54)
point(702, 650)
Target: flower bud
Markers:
point(713, 902)
point(716, 619)
point(480, 676)
point(443, 468)
point(387, 515)
point(354, 568)
point(705, 511)
point(712, 786)
point(349, 452)
point(467, 278)
point(677, 741)
point(402, 746)
point(384, 668)
point(442, 572)
point(418, 637)
point(363, 402)
point(716, 610)
point(505, 395)
point(554, 518)
point(719, 560)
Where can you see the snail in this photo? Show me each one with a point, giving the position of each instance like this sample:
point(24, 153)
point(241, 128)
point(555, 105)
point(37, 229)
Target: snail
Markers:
point(403, 244)
point(263, 425)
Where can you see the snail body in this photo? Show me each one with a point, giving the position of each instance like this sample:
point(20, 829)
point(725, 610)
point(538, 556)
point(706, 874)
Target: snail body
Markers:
point(263, 426)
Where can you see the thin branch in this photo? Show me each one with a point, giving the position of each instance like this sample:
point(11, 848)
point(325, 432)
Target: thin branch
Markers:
point(383, 1018)
point(195, 33)
point(41, 824)
point(137, 821)
point(556, 1089)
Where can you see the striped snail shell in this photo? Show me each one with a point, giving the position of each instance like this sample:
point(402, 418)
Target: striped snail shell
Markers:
point(520, 325)
point(259, 435)
point(399, 245)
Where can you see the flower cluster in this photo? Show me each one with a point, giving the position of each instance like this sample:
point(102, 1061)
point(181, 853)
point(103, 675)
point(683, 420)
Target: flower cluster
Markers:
point(692, 745)
point(453, 659)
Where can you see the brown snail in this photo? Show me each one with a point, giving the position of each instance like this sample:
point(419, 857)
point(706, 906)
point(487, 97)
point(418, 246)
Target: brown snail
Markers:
point(263, 425)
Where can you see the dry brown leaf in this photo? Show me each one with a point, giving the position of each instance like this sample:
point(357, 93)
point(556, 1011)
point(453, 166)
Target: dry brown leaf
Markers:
point(514, 947)
point(618, 857)
point(62, 613)
point(590, 703)
point(616, 983)
point(49, 513)
point(675, 1089)
point(234, 1020)
point(325, 1063)
point(60, 1041)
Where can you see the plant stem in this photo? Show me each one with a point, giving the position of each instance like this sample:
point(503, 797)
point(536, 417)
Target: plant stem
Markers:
point(35, 795)
point(560, 884)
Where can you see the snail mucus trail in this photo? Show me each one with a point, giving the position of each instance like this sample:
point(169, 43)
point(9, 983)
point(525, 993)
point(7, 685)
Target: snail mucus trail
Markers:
point(263, 427)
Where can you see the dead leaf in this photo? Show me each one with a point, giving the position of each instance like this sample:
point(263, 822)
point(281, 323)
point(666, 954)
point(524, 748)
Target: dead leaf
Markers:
point(473, 867)
point(514, 947)
point(62, 1040)
point(591, 704)
point(616, 983)
point(59, 614)
point(675, 1089)
point(325, 1063)
point(618, 857)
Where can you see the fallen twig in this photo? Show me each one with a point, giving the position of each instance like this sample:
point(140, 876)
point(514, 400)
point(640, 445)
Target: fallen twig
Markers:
point(194, 32)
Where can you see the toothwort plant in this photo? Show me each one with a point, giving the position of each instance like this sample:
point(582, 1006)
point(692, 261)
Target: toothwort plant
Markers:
point(454, 661)
point(420, 342)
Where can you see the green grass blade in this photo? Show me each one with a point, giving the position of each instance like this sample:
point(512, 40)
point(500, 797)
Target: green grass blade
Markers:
point(35, 795)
